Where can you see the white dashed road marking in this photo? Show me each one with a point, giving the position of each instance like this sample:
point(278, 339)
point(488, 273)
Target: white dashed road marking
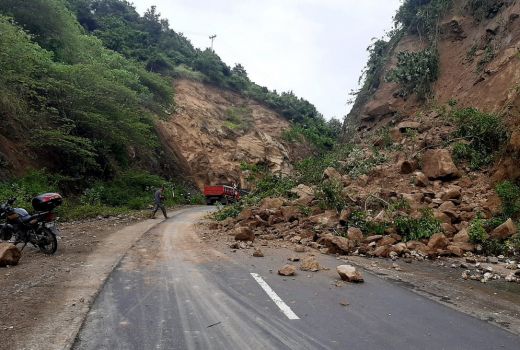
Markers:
point(277, 300)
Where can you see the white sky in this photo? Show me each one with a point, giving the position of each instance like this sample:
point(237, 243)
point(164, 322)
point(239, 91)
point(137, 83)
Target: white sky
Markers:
point(316, 48)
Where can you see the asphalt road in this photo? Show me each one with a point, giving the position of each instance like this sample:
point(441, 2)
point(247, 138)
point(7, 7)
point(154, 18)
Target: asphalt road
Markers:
point(172, 291)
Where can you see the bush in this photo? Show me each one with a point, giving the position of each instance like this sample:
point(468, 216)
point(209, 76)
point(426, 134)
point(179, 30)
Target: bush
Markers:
point(509, 194)
point(415, 72)
point(329, 195)
point(27, 187)
point(359, 219)
point(494, 247)
point(485, 133)
point(422, 16)
point(358, 163)
point(416, 229)
point(477, 233)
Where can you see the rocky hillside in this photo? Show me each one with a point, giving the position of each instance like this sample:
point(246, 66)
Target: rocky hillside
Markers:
point(431, 164)
point(218, 134)
point(478, 65)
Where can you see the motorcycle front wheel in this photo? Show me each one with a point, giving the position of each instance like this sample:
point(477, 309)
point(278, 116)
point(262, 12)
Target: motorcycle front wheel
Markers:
point(47, 242)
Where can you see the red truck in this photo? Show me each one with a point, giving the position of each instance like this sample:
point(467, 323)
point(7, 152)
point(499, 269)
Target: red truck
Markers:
point(221, 193)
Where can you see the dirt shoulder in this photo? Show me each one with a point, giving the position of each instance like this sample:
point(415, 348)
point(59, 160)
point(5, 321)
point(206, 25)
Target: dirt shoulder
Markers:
point(496, 301)
point(44, 299)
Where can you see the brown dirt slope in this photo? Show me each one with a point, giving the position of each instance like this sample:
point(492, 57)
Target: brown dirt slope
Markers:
point(492, 85)
point(213, 131)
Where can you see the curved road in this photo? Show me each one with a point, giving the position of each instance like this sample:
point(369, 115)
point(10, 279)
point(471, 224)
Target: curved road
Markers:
point(172, 291)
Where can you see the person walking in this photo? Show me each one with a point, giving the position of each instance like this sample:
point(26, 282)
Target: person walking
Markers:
point(158, 201)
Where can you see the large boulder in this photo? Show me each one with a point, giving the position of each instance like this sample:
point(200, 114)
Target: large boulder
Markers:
point(9, 255)
point(349, 273)
point(245, 214)
point(336, 244)
point(305, 194)
point(382, 251)
point(504, 231)
point(354, 234)
point(438, 241)
point(438, 164)
point(344, 216)
point(244, 234)
point(271, 203)
point(290, 213)
point(332, 174)
point(461, 237)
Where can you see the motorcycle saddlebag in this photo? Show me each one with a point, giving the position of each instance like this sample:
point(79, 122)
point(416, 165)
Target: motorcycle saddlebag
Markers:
point(47, 201)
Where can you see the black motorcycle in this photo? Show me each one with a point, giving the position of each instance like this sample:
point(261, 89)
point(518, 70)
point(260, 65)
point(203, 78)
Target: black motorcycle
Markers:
point(39, 229)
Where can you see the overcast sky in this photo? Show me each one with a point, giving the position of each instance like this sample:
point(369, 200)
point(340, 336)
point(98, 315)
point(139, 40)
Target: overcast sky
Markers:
point(316, 48)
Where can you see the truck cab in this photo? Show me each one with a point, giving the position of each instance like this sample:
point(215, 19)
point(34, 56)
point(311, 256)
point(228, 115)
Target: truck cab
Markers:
point(222, 194)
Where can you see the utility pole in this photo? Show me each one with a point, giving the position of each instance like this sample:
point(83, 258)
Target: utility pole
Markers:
point(212, 37)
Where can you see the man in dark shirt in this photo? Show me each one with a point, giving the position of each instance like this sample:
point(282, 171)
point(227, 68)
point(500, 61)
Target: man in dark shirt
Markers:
point(158, 201)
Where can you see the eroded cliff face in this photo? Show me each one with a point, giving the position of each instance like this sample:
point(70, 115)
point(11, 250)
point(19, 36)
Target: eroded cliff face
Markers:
point(479, 67)
point(213, 132)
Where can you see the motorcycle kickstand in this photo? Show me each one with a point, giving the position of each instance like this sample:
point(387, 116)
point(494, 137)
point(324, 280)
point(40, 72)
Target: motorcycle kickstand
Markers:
point(23, 247)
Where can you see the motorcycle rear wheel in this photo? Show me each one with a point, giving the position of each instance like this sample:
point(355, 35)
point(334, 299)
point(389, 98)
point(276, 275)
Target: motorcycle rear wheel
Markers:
point(48, 243)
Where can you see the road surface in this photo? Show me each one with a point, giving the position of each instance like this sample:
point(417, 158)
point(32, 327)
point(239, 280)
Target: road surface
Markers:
point(172, 291)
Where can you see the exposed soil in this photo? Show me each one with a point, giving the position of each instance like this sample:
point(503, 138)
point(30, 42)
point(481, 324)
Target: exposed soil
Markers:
point(44, 298)
point(213, 131)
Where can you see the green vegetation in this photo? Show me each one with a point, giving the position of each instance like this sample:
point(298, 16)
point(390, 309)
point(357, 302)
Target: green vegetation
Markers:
point(477, 233)
point(483, 134)
point(330, 196)
point(415, 72)
point(239, 119)
point(131, 191)
point(422, 17)
point(489, 54)
point(418, 228)
point(484, 9)
point(82, 83)
point(509, 194)
point(268, 185)
point(150, 40)
point(322, 135)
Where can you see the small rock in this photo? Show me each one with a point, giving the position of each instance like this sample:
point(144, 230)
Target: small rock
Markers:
point(258, 253)
point(293, 258)
point(492, 260)
point(349, 273)
point(287, 270)
point(344, 303)
point(310, 264)
point(299, 249)
point(471, 260)
point(244, 234)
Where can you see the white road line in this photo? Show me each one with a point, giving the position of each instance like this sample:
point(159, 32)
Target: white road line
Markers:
point(277, 300)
